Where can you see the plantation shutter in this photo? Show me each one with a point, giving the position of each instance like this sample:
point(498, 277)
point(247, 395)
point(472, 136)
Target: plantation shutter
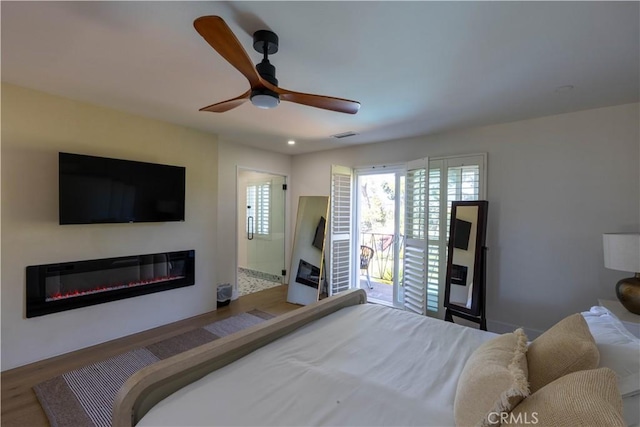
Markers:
point(258, 205)
point(251, 209)
point(340, 229)
point(465, 181)
point(452, 178)
point(436, 243)
point(415, 251)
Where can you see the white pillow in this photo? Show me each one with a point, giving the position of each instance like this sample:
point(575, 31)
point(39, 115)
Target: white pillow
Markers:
point(619, 350)
point(606, 328)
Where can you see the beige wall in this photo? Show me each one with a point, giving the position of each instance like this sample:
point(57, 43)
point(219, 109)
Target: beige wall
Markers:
point(555, 184)
point(35, 127)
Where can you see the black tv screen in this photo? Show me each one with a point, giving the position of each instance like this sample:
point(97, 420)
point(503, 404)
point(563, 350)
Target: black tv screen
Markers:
point(94, 190)
point(318, 237)
point(462, 233)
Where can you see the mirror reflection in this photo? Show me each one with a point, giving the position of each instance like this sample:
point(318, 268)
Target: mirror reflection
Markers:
point(463, 259)
point(465, 279)
point(307, 257)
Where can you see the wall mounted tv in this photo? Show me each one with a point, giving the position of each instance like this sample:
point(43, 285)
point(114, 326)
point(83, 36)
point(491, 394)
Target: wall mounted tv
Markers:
point(462, 232)
point(95, 190)
point(318, 237)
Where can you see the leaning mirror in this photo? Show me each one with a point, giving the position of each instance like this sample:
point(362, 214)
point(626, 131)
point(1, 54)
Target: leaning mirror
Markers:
point(465, 279)
point(307, 257)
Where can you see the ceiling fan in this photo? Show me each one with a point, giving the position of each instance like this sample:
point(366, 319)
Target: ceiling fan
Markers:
point(264, 91)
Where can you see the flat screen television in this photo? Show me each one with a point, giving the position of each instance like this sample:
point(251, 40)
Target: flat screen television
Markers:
point(95, 190)
point(462, 232)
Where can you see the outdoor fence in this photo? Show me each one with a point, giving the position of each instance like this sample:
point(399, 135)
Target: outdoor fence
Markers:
point(381, 266)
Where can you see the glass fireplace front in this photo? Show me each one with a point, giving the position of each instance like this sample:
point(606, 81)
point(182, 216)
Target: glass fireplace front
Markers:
point(57, 287)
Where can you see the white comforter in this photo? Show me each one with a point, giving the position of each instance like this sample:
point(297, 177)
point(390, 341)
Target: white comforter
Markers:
point(365, 365)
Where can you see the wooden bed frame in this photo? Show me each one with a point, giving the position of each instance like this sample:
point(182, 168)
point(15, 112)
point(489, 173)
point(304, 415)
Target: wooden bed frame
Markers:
point(150, 385)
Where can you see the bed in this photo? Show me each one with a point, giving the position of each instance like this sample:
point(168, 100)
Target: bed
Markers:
point(324, 365)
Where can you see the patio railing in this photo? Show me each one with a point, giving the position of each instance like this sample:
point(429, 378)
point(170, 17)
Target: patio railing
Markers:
point(381, 266)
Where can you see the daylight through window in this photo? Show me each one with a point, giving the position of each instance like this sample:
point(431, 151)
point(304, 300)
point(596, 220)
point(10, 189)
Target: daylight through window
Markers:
point(258, 203)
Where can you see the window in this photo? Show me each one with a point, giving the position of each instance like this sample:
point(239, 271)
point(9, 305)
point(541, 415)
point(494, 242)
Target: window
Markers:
point(258, 203)
point(431, 184)
point(452, 178)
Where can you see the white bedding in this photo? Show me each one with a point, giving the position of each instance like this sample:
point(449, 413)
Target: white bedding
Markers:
point(366, 365)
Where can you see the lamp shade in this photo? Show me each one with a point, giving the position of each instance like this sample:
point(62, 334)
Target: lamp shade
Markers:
point(622, 251)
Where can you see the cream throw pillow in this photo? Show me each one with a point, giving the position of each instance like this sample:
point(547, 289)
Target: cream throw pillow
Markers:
point(566, 347)
point(583, 398)
point(494, 380)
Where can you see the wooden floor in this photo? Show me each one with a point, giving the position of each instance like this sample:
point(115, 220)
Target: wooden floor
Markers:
point(20, 406)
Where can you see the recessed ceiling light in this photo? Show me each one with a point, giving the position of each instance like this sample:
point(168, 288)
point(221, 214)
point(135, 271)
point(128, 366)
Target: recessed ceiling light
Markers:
point(291, 142)
point(564, 89)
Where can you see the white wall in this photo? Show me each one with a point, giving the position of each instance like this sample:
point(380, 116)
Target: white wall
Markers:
point(35, 127)
point(233, 156)
point(555, 184)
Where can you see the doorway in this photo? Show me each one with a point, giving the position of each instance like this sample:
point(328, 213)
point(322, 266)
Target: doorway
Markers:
point(380, 230)
point(261, 230)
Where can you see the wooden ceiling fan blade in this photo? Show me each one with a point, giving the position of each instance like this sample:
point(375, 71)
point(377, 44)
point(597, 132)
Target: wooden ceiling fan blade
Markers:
point(217, 33)
point(319, 101)
point(229, 104)
point(220, 37)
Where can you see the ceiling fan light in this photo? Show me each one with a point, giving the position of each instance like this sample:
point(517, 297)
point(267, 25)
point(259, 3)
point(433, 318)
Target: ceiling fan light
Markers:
point(265, 99)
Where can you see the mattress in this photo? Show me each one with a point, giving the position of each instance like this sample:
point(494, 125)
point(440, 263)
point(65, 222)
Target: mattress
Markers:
point(365, 365)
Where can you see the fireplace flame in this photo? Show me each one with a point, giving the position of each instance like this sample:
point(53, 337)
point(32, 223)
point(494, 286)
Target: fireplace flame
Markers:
point(98, 289)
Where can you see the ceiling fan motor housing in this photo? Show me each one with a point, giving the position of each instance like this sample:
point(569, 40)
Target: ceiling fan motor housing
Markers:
point(267, 71)
point(266, 43)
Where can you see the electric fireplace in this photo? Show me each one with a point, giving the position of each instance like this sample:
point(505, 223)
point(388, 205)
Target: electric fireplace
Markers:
point(308, 274)
point(58, 287)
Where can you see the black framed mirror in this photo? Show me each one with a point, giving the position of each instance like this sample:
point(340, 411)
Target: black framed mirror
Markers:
point(465, 280)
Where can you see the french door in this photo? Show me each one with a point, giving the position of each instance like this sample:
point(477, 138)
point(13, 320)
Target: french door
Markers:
point(379, 228)
point(425, 188)
point(432, 184)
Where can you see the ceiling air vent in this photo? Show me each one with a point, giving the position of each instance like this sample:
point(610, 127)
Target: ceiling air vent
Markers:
point(344, 135)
